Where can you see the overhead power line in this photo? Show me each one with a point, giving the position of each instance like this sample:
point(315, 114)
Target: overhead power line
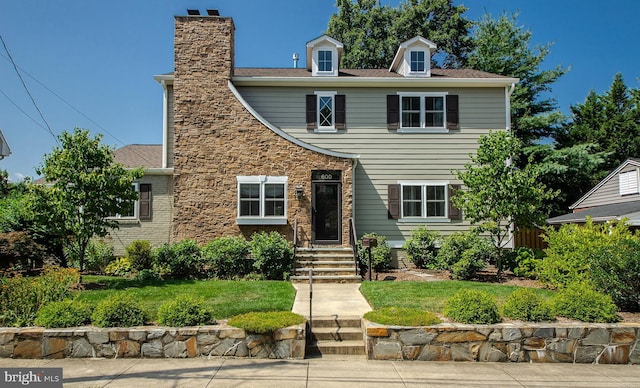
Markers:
point(15, 67)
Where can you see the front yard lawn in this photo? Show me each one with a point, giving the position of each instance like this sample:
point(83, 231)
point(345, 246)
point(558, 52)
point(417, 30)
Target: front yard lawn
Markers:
point(225, 297)
point(430, 296)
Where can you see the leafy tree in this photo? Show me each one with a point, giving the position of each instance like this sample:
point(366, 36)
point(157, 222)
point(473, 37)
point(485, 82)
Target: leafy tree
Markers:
point(84, 188)
point(611, 120)
point(498, 193)
point(502, 47)
point(371, 33)
point(570, 171)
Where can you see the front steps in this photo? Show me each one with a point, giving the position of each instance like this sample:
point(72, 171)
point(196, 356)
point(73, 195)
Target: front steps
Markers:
point(336, 335)
point(329, 265)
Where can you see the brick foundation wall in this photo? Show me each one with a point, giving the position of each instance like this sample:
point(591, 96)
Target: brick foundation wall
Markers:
point(216, 139)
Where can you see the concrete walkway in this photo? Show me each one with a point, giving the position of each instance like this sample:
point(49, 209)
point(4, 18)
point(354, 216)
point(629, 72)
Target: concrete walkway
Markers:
point(326, 372)
point(328, 299)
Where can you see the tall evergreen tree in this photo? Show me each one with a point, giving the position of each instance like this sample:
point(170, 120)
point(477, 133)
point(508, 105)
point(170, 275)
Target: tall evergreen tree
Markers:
point(610, 120)
point(371, 32)
point(502, 47)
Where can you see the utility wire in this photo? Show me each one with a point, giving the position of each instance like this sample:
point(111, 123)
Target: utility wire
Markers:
point(72, 107)
point(21, 110)
point(15, 67)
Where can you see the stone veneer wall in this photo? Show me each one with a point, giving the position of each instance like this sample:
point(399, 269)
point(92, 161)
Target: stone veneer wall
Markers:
point(216, 139)
point(151, 342)
point(569, 343)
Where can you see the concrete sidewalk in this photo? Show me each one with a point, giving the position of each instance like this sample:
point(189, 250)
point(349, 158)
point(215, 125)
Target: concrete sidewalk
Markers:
point(341, 371)
point(342, 299)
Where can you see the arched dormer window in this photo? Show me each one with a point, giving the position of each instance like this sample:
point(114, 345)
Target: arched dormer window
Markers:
point(323, 56)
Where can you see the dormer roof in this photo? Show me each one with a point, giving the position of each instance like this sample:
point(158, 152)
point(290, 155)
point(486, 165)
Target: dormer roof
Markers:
point(4, 146)
point(327, 43)
point(400, 62)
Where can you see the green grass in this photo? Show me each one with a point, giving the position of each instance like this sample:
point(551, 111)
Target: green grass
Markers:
point(430, 296)
point(226, 298)
point(402, 316)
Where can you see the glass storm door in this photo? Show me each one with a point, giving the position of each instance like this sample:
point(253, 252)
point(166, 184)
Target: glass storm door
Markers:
point(327, 215)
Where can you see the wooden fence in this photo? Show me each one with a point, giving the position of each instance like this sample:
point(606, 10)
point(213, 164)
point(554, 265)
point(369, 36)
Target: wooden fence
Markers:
point(529, 238)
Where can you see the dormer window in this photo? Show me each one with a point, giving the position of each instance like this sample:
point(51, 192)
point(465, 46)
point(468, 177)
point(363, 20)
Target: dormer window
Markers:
point(323, 56)
point(413, 58)
point(325, 63)
point(417, 62)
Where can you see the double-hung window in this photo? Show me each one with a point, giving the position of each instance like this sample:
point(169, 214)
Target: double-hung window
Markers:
point(424, 111)
point(262, 200)
point(424, 200)
point(417, 62)
point(325, 61)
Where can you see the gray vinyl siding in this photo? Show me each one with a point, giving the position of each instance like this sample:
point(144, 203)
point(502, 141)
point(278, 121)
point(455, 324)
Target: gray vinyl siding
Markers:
point(387, 157)
point(609, 192)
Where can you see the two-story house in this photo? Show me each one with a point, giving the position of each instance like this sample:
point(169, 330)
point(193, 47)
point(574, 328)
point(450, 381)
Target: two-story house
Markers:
point(253, 149)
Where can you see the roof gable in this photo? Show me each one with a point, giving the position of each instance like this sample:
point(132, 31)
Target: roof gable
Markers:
point(399, 64)
point(323, 42)
point(629, 162)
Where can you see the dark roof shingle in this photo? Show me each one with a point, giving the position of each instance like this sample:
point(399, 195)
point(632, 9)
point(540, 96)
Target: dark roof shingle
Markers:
point(374, 73)
point(139, 155)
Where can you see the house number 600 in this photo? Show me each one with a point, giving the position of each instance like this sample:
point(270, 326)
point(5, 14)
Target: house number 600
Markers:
point(326, 177)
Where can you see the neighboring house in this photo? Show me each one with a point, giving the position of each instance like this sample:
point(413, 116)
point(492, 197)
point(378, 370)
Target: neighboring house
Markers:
point(151, 216)
point(4, 147)
point(254, 149)
point(616, 197)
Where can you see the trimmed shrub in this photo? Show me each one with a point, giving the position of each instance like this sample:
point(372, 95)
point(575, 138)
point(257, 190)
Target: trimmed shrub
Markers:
point(400, 316)
point(524, 262)
point(21, 297)
point(147, 275)
point(119, 267)
point(421, 247)
point(580, 301)
point(182, 260)
point(468, 266)
point(139, 254)
point(454, 246)
point(526, 305)
point(228, 257)
point(64, 313)
point(118, 310)
point(184, 310)
point(380, 255)
point(472, 306)
point(272, 255)
point(265, 322)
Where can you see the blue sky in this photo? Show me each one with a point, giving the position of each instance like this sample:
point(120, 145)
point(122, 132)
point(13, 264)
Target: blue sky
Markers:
point(100, 57)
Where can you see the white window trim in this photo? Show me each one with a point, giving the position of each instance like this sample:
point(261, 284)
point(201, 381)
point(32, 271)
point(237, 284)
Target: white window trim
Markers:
point(427, 63)
point(334, 61)
point(423, 128)
point(136, 206)
point(628, 182)
point(424, 185)
point(326, 129)
point(261, 219)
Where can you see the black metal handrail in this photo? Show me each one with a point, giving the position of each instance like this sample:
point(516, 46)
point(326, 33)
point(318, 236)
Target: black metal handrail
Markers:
point(295, 246)
point(353, 241)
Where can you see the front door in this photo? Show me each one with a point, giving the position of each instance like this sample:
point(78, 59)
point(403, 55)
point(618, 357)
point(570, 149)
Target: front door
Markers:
point(326, 208)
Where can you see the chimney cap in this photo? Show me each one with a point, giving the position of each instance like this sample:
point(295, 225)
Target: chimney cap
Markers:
point(193, 12)
point(213, 12)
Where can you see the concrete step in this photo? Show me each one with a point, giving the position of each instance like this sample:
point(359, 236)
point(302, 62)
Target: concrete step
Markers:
point(327, 279)
point(323, 257)
point(336, 347)
point(325, 264)
point(336, 321)
point(337, 334)
point(322, 271)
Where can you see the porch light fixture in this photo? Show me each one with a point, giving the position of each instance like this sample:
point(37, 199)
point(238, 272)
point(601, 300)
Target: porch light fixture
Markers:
point(299, 192)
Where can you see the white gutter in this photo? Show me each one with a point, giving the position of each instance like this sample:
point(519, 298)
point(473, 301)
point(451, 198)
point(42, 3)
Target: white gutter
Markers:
point(373, 81)
point(158, 171)
point(508, 92)
point(285, 135)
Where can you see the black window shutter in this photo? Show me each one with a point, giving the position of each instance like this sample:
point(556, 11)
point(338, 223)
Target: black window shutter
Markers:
point(452, 112)
point(393, 198)
point(393, 111)
point(454, 212)
point(312, 111)
point(340, 119)
point(144, 203)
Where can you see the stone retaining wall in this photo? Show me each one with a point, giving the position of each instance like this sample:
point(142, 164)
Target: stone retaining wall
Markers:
point(151, 342)
point(572, 343)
